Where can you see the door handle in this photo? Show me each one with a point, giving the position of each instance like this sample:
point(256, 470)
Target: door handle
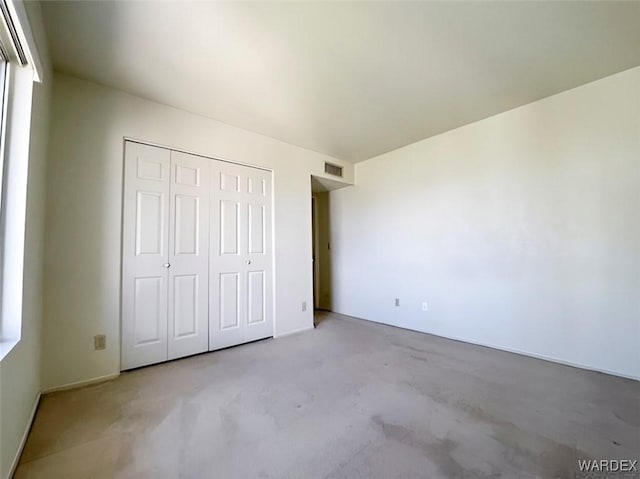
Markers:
point(167, 265)
point(248, 261)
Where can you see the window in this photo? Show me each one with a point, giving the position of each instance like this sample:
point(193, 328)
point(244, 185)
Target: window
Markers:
point(19, 67)
point(3, 72)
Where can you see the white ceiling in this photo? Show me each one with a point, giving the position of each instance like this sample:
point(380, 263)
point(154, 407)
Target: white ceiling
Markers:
point(353, 79)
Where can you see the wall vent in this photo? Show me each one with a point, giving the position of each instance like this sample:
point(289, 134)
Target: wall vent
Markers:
point(332, 169)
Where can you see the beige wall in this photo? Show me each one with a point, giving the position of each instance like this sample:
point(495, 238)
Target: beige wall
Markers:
point(20, 369)
point(521, 231)
point(84, 201)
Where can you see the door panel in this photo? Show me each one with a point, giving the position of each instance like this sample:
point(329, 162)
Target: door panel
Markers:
point(240, 266)
point(188, 256)
point(185, 305)
point(256, 228)
point(256, 186)
point(229, 182)
point(148, 167)
point(226, 301)
point(150, 223)
point(187, 176)
point(229, 301)
point(149, 301)
point(229, 226)
point(256, 297)
point(257, 244)
point(187, 224)
point(145, 248)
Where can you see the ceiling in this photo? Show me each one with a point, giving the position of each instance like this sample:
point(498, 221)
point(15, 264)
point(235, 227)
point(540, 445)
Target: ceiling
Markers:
point(353, 79)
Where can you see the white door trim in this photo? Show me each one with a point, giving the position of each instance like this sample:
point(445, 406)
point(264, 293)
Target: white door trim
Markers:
point(190, 152)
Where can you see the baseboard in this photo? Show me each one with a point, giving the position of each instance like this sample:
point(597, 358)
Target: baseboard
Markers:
point(78, 384)
point(553, 359)
point(25, 435)
point(543, 357)
point(297, 331)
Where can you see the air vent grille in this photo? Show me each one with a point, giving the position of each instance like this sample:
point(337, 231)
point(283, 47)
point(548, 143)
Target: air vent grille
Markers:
point(332, 169)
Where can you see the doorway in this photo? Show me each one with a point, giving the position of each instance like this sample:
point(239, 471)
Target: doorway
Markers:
point(321, 239)
point(322, 192)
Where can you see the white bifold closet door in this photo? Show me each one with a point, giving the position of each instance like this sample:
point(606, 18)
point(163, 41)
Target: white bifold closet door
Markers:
point(241, 270)
point(165, 277)
point(188, 256)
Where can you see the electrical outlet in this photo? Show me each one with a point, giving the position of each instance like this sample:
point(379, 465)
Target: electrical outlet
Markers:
point(397, 301)
point(100, 342)
point(304, 306)
point(425, 306)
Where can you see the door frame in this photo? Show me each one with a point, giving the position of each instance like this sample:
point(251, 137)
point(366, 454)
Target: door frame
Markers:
point(314, 251)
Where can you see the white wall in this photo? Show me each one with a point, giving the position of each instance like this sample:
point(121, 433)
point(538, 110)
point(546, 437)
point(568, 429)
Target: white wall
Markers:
point(84, 200)
point(521, 230)
point(20, 369)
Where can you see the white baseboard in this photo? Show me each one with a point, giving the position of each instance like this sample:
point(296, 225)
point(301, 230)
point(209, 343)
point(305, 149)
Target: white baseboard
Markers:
point(544, 357)
point(78, 384)
point(25, 435)
point(554, 359)
point(296, 331)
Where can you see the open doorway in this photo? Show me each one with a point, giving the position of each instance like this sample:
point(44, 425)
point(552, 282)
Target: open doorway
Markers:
point(321, 237)
point(321, 188)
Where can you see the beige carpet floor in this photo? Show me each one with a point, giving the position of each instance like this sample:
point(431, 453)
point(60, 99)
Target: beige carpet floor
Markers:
point(350, 399)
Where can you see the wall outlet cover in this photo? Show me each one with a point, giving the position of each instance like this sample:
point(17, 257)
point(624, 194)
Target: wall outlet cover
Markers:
point(100, 342)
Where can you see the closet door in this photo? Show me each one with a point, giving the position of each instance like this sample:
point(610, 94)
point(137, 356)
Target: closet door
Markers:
point(145, 255)
point(258, 260)
point(188, 256)
point(240, 307)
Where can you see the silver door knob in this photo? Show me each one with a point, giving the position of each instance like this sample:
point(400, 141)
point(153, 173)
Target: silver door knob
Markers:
point(167, 265)
point(248, 261)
